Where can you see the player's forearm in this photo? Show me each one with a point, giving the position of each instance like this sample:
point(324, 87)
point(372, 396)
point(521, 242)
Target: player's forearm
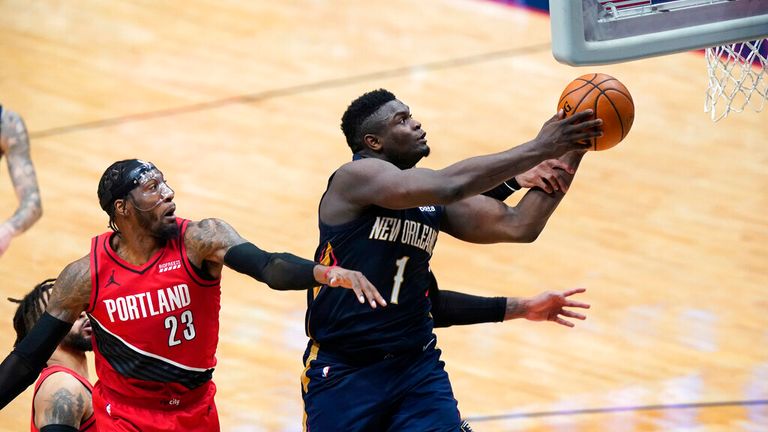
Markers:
point(30, 210)
point(22, 172)
point(21, 367)
point(479, 174)
point(281, 271)
point(515, 308)
point(455, 308)
point(530, 216)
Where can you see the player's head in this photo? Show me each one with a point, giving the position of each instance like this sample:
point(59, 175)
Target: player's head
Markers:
point(378, 123)
point(134, 191)
point(32, 307)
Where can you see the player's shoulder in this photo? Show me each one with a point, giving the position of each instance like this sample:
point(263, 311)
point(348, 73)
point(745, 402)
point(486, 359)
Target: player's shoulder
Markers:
point(78, 270)
point(62, 392)
point(358, 170)
point(206, 225)
point(61, 384)
point(209, 235)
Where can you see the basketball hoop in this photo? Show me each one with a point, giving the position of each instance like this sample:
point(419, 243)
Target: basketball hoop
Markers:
point(738, 77)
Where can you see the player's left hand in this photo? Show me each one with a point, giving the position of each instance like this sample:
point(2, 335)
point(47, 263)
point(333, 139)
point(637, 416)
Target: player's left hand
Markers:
point(357, 282)
point(548, 175)
point(549, 306)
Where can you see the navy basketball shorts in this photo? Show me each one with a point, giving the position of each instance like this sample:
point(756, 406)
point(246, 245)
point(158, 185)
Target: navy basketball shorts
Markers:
point(407, 392)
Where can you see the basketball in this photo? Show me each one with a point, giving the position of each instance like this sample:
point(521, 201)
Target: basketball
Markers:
point(608, 98)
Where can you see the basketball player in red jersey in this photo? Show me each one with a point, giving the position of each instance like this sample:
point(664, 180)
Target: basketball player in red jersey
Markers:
point(62, 398)
point(151, 289)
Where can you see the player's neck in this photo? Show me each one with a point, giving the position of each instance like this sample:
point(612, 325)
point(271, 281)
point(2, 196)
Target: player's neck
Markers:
point(71, 359)
point(370, 154)
point(135, 247)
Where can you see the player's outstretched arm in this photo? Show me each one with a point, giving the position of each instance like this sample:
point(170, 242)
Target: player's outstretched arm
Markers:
point(455, 308)
point(481, 219)
point(69, 297)
point(216, 242)
point(373, 182)
point(14, 143)
point(547, 306)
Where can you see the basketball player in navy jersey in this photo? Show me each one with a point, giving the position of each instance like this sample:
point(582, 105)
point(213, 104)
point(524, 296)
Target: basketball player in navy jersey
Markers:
point(62, 397)
point(151, 289)
point(14, 145)
point(380, 370)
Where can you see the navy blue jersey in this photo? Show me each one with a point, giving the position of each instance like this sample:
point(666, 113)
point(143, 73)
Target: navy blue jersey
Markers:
point(392, 249)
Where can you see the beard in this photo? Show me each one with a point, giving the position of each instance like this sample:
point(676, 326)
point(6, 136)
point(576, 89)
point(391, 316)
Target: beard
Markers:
point(167, 232)
point(78, 342)
point(163, 232)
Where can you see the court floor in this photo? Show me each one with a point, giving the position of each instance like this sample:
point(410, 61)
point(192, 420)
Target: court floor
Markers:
point(239, 103)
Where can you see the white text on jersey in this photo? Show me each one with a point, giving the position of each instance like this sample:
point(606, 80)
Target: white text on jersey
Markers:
point(413, 233)
point(150, 303)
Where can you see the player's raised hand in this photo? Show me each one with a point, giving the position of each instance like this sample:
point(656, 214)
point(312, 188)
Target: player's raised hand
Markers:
point(565, 134)
point(357, 282)
point(548, 176)
point(549, 306)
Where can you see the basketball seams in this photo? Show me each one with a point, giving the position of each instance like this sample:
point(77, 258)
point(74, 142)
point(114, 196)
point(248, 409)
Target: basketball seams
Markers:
point(626, 95)
point(616, 112)
point(577, 96)
point(593, 141)
point(579, 87)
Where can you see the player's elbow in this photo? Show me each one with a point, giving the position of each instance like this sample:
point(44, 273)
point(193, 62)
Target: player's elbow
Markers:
point(37, 211)
point(34, 214)
point(527, 233)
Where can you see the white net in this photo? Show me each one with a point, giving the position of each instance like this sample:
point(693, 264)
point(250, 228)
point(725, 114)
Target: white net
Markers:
point(738, 78)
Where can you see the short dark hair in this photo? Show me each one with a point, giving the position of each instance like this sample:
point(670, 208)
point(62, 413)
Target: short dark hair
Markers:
point(117, 181)
point(358, 111)
point(30, 309)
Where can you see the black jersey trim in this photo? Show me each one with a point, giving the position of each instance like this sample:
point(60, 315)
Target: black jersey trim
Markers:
point(133, 362)
point(95, 275)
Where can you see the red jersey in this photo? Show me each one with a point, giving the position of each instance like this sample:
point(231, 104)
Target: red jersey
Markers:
point(88, 424)
point(155, 326)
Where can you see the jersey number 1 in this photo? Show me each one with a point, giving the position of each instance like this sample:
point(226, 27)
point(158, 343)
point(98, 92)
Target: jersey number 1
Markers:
point(398, 278)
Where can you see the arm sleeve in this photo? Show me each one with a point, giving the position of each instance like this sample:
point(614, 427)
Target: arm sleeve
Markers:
point(24, 363)
point(281, 271)
point(455, 308)
point(58, 428)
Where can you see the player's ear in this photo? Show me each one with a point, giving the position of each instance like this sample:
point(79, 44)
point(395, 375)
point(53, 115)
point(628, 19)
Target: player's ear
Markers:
point(121, 207)
point(372, 142)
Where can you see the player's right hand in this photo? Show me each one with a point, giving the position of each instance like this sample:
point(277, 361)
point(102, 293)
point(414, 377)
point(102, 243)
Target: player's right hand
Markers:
point(563, 134)
point(548, 175)
point(357, 282)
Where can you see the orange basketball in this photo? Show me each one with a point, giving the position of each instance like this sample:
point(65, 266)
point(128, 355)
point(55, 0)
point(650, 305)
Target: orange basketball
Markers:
point(610, 101)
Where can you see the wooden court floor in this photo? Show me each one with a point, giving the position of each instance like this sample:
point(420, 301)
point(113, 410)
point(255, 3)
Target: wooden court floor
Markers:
point(239, 102)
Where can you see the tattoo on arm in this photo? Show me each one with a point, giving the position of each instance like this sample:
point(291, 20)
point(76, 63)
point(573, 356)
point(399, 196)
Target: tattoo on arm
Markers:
point(72, 291)
point(514, 308)
point(15, 143)
point(65, 408)
point(209, 239)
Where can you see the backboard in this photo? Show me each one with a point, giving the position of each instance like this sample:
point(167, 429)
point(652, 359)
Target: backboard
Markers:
point(592, 32)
